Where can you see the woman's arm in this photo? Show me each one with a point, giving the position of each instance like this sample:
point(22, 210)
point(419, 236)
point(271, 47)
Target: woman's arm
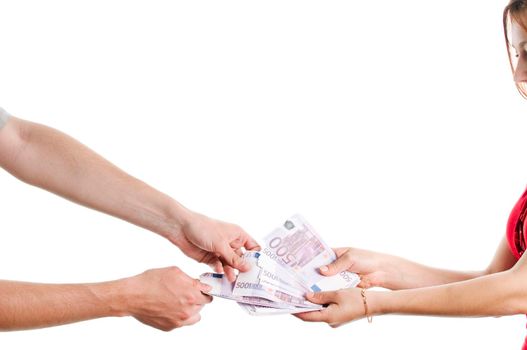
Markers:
point(47, 158)
point(392, 272)
point(498, 294)
point(495, 294)
point(162, 298)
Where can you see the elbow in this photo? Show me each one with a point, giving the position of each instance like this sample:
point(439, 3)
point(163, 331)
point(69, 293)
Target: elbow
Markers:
point(14, 139)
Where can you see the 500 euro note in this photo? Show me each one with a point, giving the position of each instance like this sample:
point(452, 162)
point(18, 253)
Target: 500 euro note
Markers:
point(283, 272)
point(298, 248)
point(250, 284)
point(221, 287)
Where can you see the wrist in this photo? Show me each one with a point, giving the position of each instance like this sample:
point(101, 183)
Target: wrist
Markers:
point(113, 297)
point(392, 275)
point(178, 217)
point(378, 302)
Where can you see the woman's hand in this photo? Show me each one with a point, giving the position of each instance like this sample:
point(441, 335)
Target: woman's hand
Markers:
point(368, 265)
point(345, 305)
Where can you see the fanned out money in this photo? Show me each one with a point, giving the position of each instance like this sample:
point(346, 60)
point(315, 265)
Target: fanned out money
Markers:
point(282, 273)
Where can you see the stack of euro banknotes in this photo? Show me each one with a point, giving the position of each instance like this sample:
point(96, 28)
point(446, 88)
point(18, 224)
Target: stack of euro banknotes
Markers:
point(282, 273)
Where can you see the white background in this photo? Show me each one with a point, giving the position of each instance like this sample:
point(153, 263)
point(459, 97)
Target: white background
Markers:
point(389, 125)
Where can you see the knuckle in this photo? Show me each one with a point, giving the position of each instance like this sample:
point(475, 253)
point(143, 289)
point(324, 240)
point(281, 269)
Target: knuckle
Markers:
point(234, 260)
point(184, 315)
point(191, 299)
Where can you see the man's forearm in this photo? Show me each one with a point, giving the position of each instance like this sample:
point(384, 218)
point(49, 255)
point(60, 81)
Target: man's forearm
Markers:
point(32, 305)
point(49, 159)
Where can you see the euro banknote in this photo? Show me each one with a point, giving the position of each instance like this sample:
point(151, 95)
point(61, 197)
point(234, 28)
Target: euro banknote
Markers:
point(297, 247)
point(283, 272)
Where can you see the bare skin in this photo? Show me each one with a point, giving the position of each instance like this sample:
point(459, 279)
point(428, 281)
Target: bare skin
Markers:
point(162, 298)
point(165, 298)
point(420, 290)
point(46, 158)
point(498, 290)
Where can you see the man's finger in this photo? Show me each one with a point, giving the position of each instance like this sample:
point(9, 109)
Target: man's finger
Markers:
point(250, 243)
point(192, 320)
point(230, 273)
point(204, 288)
point(206, 299)
point(237, 243)
point(229, 257)
point(216, 265)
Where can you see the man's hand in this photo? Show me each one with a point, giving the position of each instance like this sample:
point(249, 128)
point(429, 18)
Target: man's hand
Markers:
point(47, 158)
point(165, 298)
point(216, 243)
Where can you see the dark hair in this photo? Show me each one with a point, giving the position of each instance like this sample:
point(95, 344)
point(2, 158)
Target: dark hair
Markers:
point(513, 12)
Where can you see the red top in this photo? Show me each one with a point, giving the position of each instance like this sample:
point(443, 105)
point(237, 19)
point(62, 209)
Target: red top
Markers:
point(515, 227)
point(516, 232)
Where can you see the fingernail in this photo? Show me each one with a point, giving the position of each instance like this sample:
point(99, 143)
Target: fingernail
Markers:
point(309, 294)
point(324, 268)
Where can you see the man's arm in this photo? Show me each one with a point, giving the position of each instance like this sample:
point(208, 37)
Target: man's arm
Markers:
point(47, 158)
point(162, 298)
point(31, 305)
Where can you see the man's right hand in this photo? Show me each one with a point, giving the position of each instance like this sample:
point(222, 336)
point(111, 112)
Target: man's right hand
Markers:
point(165, 298)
